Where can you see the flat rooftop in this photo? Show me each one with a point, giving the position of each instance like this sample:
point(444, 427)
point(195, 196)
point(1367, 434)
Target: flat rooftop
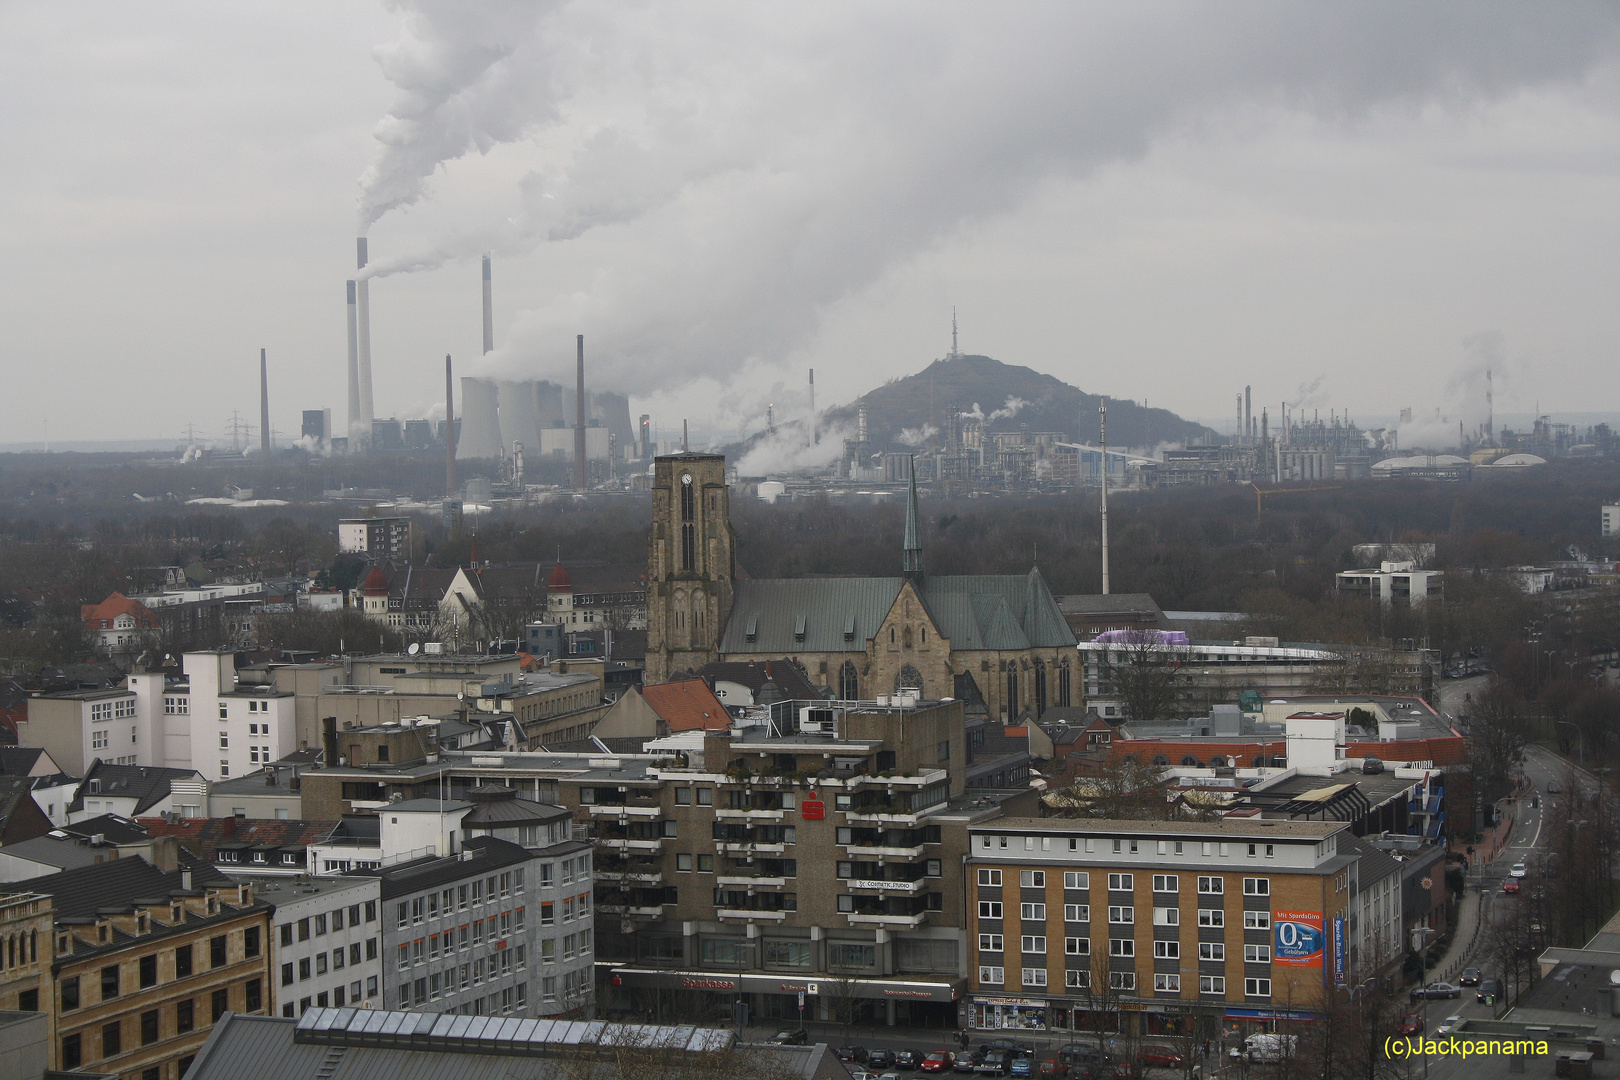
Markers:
point(1302, 830)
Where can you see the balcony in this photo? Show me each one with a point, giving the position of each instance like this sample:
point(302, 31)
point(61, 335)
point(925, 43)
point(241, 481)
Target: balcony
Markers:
point(748, 815)
point(624, 812)
point(750, 916)
point(630, 911)
point(619, 843)
point(748, 848)
point(772, 883)
point(857, 918)
point(921, 780)
point(857, 851)
point(872, 885)
point(629, 877)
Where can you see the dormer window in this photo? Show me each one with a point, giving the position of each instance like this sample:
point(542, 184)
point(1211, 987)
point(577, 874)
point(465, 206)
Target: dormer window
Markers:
point(289, 859)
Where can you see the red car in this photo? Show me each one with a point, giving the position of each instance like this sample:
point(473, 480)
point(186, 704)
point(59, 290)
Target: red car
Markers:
point(1411, 1024)
point(1511, 885)
point(1162, 1056)
point(937, 1062)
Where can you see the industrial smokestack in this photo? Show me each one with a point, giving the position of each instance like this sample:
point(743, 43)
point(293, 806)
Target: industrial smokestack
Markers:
point(449, 431)
point(861, 413)
point(812, 406)
point(363, 317)
point(1239, 430)
point(581, 468)
point(489, 311)
point(646, 436)
point(1248, 414)
point(264, 403)
point(355, 435)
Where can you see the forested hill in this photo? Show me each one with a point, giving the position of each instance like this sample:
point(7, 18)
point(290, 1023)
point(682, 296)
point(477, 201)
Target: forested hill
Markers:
point(994, 389)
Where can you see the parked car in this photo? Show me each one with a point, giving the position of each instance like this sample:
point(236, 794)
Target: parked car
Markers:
point(1162, 1056)
point(1436, 991)
point(1371, 766)
point(1022, 1065)
point(907, 1059)
point(851, 1053)
point(1000, 1044)
point(1450, 1024)
point(1265, 1047)
point(880, 1059)
point(937, 1062)
point(797, 1037)
point(994, 1063)
point(1072, 1052)
point(963, 1062)
point(1052, 1069)
point(1489, 991)
point(1518, 870)
point(1469, 977)
point(1511, 885)
point(1410, 1024)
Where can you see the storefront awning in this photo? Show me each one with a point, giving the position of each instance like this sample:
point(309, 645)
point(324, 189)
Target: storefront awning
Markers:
point(882, 989)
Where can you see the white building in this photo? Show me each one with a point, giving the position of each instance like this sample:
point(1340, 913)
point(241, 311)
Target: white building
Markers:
point(204, 723)
point(325, 944)
point(1392, 582)
point(1611, 520)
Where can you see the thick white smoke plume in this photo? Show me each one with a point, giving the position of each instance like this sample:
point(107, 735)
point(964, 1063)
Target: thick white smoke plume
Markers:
point(1009, 409)
point(788, 450)
point(720, 174)
point(1462, 417)
point(916, 436)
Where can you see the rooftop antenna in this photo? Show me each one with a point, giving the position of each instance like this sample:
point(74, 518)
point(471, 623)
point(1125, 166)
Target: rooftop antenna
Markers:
point(684, 445)
point(954, 352)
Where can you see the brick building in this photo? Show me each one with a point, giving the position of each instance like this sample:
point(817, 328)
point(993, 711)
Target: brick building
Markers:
point(1235, 922)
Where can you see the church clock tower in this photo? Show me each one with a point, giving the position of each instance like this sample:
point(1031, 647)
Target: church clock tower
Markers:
point(690, 563)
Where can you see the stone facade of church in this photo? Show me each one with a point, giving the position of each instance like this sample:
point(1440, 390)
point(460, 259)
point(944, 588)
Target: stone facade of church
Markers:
point(996, 638)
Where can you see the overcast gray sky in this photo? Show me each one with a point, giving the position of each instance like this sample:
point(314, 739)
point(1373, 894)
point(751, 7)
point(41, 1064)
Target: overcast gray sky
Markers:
point(1356, 205)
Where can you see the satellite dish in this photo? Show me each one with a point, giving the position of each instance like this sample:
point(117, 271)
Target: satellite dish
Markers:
point(415, 648)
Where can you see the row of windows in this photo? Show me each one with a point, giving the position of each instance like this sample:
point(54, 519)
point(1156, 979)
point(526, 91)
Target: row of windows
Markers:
point(318, 924)
point(340, 958)
point(335, 999)
point(1208, 885)
point(79, 1047)
point(146, 968)
point(1120, 846)
point(1125, 915)
point(434, 985)
point(470, 935)
point(1035, 944)
point(1126, 980)
point(462, 897)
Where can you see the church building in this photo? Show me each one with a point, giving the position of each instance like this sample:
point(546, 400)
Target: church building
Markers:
point(996, 641)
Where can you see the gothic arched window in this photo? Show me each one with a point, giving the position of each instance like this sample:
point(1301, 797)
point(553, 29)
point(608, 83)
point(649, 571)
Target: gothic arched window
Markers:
point(849, 683)
point(909, 678)
point(1040, 688)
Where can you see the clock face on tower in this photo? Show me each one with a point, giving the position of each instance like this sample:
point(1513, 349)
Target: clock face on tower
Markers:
point(686, 478)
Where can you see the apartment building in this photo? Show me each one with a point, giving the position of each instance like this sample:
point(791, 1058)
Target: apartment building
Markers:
point(380, 538)
point(325, 943)
point(762, 863)
point(205, 721)
point(144, 961)
point(25, 950)
point(1237, 922)
point(471, 932)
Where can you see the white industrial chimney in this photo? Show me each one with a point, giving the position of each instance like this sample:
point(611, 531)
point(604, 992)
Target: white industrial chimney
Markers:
point(355, 436)
point(363, 316)
point(489, 311)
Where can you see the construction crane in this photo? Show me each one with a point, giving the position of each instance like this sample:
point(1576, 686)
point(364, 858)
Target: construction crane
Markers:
point(1260, 493)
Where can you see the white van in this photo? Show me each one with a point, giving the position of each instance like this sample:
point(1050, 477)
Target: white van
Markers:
point(1266, 1047)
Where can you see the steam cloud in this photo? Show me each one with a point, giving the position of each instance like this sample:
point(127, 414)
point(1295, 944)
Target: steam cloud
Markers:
point(788, 450)
point(916, 436)
point(718, 175)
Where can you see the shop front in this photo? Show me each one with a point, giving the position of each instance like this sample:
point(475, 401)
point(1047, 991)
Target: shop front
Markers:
point(684, 994)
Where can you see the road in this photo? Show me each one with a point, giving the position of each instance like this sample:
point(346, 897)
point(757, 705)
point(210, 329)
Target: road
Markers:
point(1540, 769)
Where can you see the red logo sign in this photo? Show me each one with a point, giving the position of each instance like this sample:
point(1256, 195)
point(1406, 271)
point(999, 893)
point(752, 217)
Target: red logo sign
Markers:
point(812, 809)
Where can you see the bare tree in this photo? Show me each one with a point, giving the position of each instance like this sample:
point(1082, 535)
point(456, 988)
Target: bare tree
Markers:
point(1498, 732)
point(1144, 673)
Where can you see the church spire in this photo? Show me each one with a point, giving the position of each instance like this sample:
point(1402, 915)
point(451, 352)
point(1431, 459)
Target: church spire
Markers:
point(911, 561)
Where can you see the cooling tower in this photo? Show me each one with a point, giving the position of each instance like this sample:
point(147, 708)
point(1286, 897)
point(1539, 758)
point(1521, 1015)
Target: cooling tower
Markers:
point(480, 419)
point(520, 422)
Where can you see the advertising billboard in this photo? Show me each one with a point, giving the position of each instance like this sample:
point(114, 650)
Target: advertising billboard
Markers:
point(1297, 938)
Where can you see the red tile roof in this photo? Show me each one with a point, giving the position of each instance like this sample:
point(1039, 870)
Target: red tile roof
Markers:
point(205, 836)
point(97, 615)
point(688, 705)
